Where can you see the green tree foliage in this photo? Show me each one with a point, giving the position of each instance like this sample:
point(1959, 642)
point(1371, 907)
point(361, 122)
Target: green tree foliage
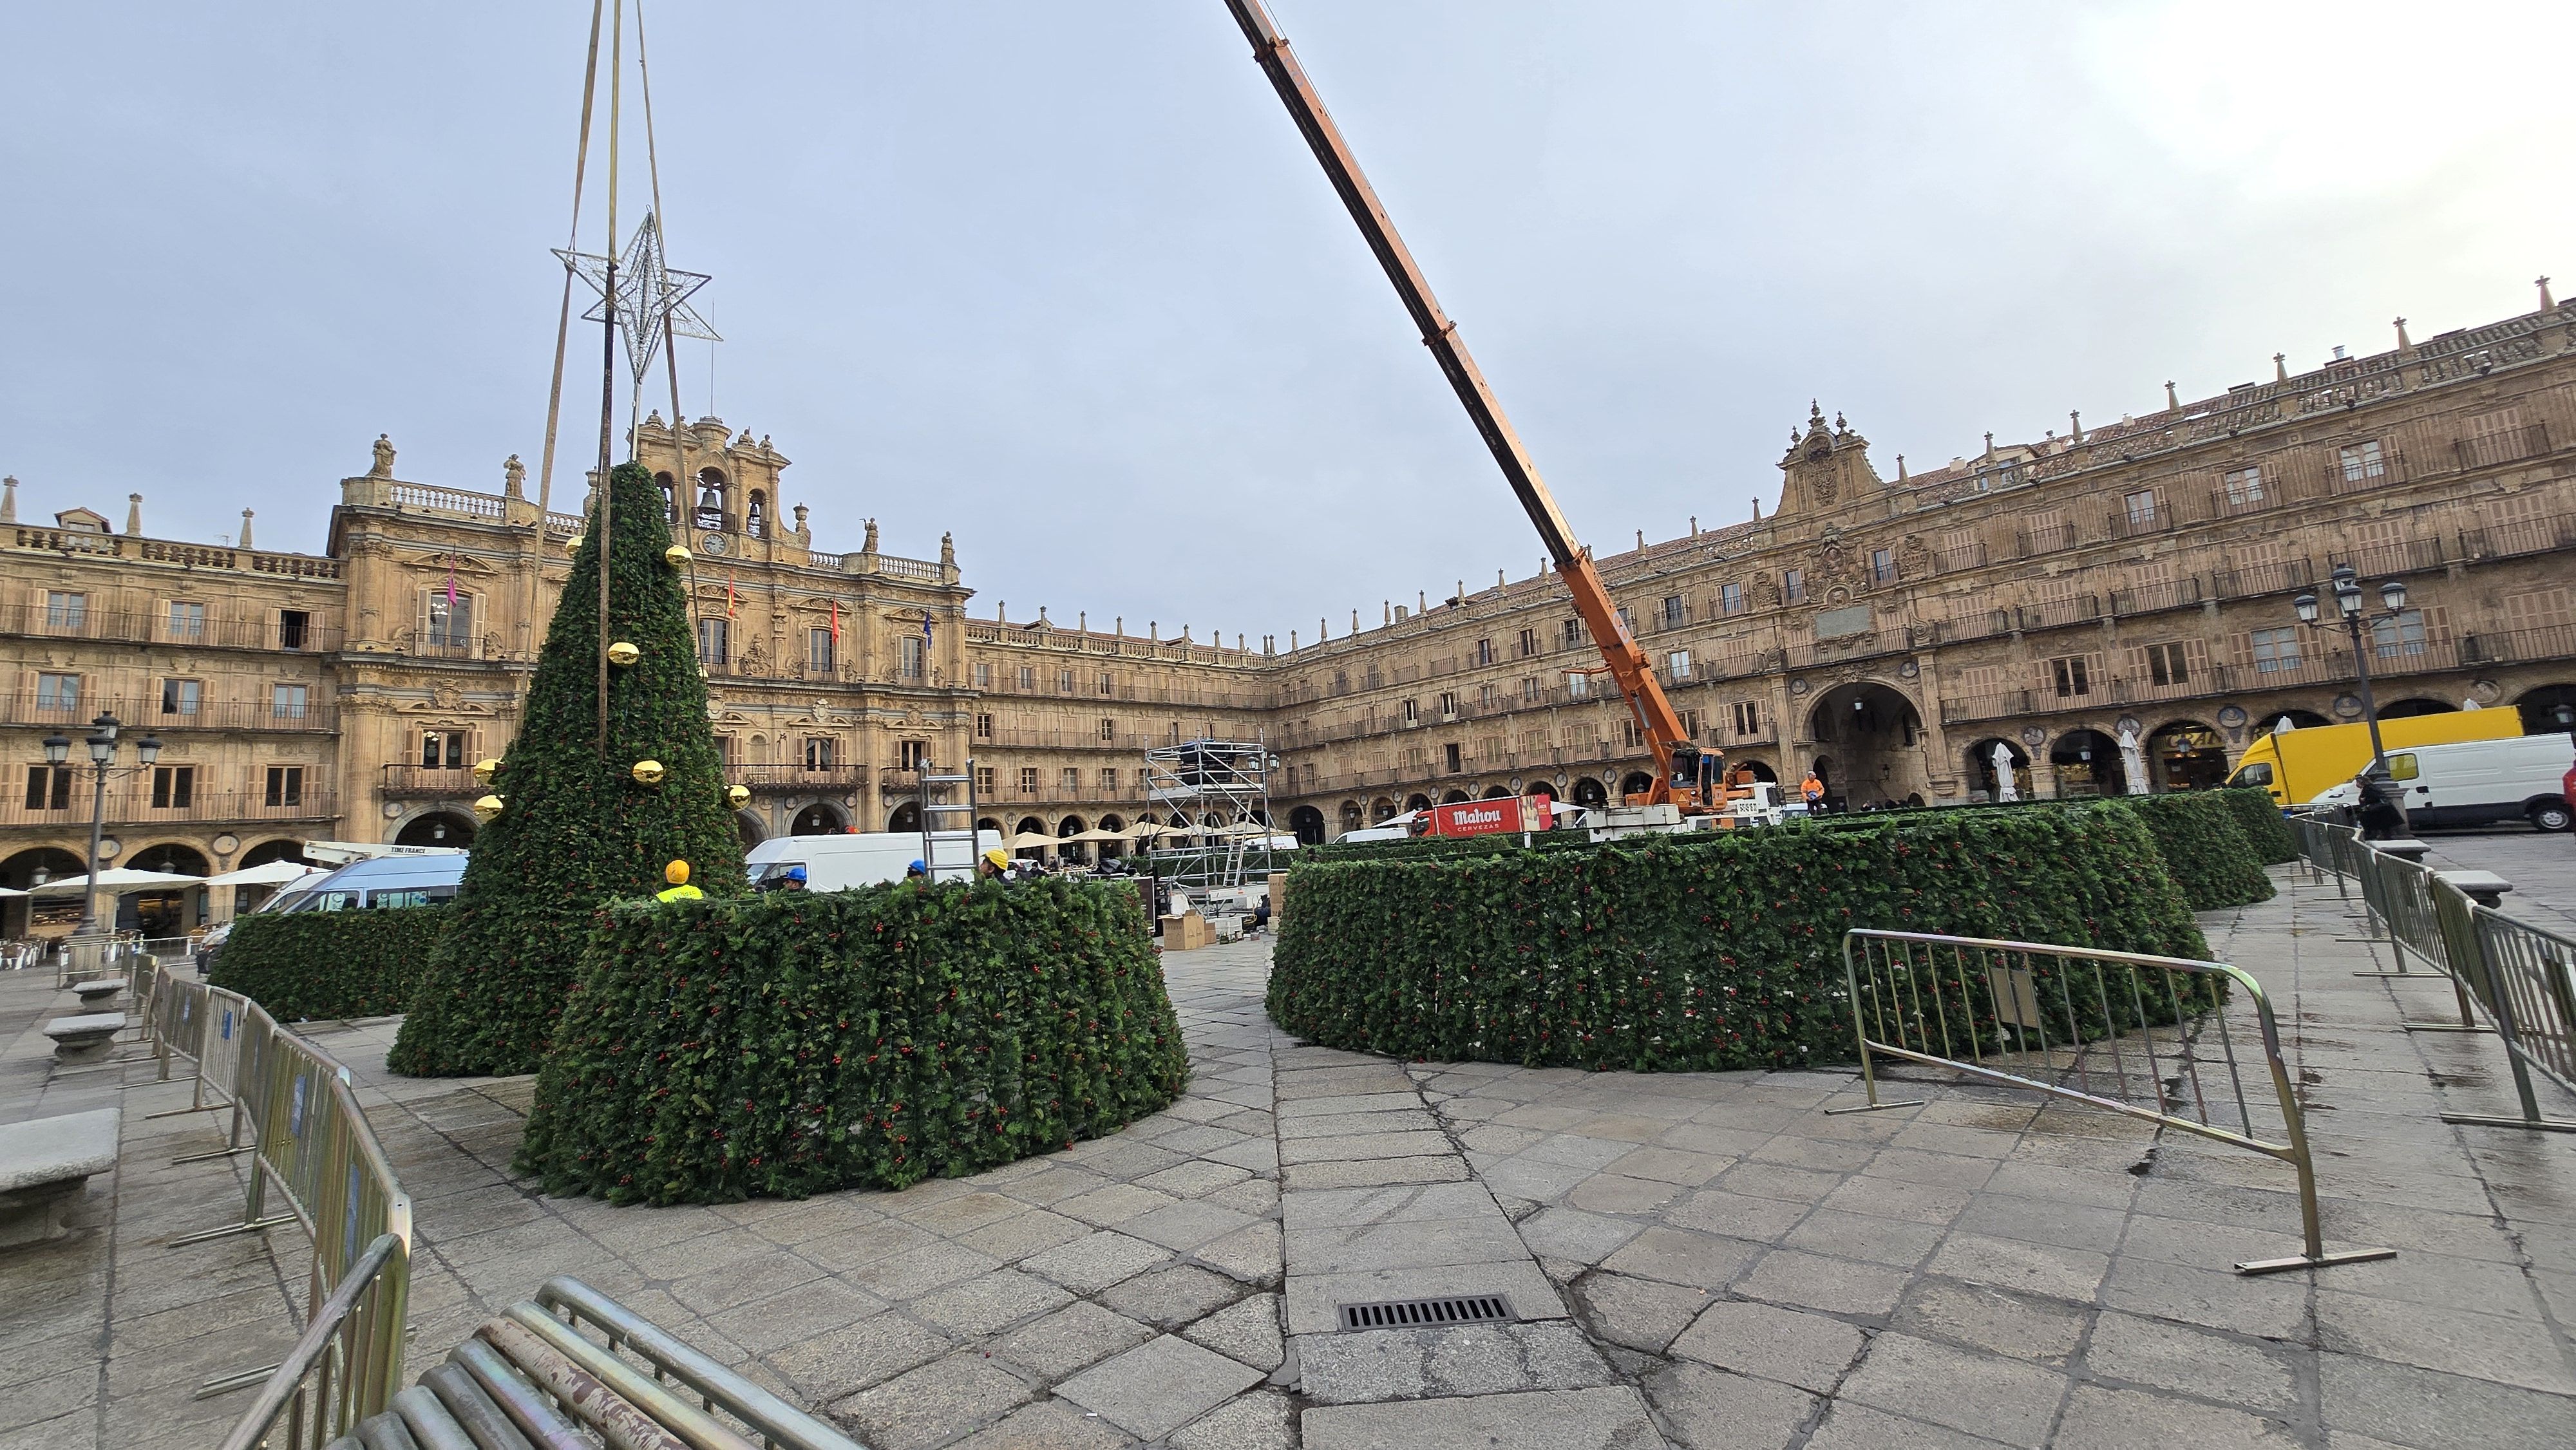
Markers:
point(780, 1045)
point(2265, 828)
point(330, 964)
point(1691, 954)
point(577, 829)
point(2204, 847)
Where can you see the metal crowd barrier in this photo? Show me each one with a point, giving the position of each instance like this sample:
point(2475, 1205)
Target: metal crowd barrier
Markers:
point(2521, 977)
point(2143, 1036)
point(294, 1109)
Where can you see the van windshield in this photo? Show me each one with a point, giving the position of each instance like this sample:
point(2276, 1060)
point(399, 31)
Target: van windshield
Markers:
point(776, 871)
point(2257, 772)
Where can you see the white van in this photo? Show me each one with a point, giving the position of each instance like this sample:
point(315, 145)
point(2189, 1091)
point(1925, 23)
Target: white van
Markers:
point(2476, 782)
point(837, 863)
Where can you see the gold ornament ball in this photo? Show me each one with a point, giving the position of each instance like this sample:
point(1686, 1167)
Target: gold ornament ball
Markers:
point(488, 807)
point(622, 653)
point(484, 770)
point(647, 772)
point(738, 796)
point(676, 557)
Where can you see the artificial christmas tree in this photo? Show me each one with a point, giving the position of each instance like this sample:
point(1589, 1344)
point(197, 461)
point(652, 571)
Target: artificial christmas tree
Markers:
point(579, 824)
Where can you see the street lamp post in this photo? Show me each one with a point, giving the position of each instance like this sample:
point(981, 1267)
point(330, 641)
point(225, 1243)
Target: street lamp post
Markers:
point(2348, 607)
point(102, 756)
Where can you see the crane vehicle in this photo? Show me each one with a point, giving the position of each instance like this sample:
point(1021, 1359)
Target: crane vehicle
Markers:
point(1681, 772)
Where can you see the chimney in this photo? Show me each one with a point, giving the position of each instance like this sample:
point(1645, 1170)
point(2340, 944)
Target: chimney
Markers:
point(134, 515)
point(245, 533)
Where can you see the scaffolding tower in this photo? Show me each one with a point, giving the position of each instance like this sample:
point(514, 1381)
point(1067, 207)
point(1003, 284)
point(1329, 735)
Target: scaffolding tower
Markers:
point(947, 849)
point(1221, 789)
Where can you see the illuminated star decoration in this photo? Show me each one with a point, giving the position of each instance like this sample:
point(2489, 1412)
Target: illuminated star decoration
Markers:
point(648, 291)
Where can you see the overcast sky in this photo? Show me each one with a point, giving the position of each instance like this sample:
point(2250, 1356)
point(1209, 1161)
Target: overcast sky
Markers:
point(1061, 277)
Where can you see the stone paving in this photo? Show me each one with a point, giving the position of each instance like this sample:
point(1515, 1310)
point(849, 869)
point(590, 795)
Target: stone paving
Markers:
point(1693, 1260)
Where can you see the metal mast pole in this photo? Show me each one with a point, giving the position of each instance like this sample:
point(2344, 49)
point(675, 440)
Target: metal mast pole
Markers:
point(608, 365)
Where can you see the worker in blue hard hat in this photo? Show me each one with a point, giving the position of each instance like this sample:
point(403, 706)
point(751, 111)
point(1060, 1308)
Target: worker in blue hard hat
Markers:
point(916, 871)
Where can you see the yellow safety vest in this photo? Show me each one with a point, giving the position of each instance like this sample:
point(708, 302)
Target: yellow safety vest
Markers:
point(681, 892)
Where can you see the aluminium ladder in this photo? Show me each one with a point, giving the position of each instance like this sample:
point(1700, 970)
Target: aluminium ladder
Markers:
point(948, 850)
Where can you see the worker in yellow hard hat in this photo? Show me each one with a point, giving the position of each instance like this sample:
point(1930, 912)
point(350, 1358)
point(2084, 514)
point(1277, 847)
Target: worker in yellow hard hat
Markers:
point(995, 865)
point(677, 873)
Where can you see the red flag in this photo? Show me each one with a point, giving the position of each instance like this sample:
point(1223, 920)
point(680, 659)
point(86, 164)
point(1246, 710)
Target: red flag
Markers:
point(728, 596)
point(451, 584)
point(836, 621)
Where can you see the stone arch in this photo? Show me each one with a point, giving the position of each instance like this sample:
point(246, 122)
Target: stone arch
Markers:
point(988, 823)
point(1417, 802)
point(1760, 770)
point(1110, 850)
point(670, 496)
point(2414, 705)
point(1982, 778)
point(284, 848)
point(38, 865)
point(1074, 850)
point(822, 818)
point(173, 858)
point(2548, 708)
point(1590, 793)
point(755, 514)
point(1876, 734)
point(2186, 755)
point(2087, 762)
point(709, 510)
point(1381, 809)
point(1635, 782)
point(1308, 823)
point(1454, 797)
point(436, 828)
point(2299, 719)
point(1354, 816)
point(1498, 792)
point(748, 827)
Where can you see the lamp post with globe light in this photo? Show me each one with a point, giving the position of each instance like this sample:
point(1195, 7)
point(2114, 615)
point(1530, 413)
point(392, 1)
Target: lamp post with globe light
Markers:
point(2348, 608)
point(102, 756)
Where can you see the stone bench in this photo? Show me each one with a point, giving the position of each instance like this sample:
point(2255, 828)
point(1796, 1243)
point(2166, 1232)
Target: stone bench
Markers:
point(2483, 887)
point(98, 992)
point(43, 1166)
point(84, 1038)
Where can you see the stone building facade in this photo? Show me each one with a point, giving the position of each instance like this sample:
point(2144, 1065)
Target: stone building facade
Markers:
point(2051, 599)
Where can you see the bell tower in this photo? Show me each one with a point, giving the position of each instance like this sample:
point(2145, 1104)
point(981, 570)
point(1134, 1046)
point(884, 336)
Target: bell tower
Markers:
point(1827, 467)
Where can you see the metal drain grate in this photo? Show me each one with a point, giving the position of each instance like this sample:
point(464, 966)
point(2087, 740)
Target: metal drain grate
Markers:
point(1403, 1313)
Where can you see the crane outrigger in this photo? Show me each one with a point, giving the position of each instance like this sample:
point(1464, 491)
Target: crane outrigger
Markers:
point(1678, 768)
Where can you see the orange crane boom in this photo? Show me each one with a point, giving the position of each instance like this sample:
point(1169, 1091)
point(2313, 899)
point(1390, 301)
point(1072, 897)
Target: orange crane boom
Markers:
point(1661, 726)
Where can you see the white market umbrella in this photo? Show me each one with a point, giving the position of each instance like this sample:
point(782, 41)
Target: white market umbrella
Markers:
point(2005, 787)
point(1027, 841)
point(6, 892)
point(274, 873)
point(2133, 760)
point(117, 881)
point(1148, 830)
point(1096, 834)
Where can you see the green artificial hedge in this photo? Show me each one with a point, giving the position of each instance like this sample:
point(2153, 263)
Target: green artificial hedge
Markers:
point(576, 828)
point(2204, 847)
point(781, 1045)
point(2266, 830)
point(330, 964)
point(1691, 953)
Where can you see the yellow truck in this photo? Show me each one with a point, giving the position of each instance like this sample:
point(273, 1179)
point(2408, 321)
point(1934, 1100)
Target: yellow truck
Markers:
point(2295, 765)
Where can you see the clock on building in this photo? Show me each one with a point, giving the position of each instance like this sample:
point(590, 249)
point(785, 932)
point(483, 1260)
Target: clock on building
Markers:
point(713, 546)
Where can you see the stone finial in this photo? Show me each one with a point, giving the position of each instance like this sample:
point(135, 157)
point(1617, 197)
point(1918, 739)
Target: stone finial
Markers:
point(869, 544)
point(654, 419)
point(1238, 641)
point(1121, 627)
point(1153, 631)
point(1082, 620)
point(1001, 611)
point(764, 444)
point(2404, 343)
point(1900, 468)
point(2074, 425)
point(9, 499)
point(2546, 301)
point(1292, 641)
point(2172, 403)
point(1757, 509)
point(1322, 633)
point(1498, 579)
point(1641, 541)
point(947, 546)
point(384, 465)
point(245, 533)
point(1839, 425)
point(804, 530)
point(514, 477)
point(1990, 446)
point(1389, 617)
point(1694, 526)
point(134, 515)
point(1421, 605)
point(2280, 367)
point(1355, 621)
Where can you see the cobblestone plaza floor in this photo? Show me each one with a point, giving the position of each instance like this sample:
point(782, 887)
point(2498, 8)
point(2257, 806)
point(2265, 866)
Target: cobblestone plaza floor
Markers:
point(1696, 1260)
